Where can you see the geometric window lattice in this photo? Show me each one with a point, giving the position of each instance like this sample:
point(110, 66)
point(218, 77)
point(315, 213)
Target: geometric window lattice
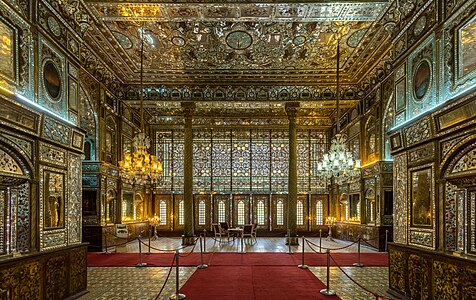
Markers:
point(241, 212)
point(181, 213)
point(260, 217)
point(319, 213)
point(163, 212)
point(201, 212)
point(221, 211)
point(300, 213)
point(280, 213)
point(240, 160)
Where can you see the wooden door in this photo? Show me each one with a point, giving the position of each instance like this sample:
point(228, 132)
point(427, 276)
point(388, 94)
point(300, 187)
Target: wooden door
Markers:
point(279, 207)
point(179, 217)
point(221, 208)
point(319, 207)
point(163, 210)
point(302, 215)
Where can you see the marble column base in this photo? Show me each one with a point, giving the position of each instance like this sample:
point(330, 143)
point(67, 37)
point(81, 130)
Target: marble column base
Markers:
point(188, 240)
point(294, 240)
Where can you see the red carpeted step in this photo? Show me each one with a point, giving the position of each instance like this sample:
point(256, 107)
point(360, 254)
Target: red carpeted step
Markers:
point(235, 259)
point(253, 282)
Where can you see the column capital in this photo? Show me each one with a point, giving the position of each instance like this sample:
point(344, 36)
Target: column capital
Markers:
point(188, 108)
point(291, 109)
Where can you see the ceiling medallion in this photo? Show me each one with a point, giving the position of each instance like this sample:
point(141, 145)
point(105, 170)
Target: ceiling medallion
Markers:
point(239, 40)
point(178, 41)
point(299, 40)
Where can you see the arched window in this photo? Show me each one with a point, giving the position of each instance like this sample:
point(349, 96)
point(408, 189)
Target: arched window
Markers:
point(221, 211)
point(319, 213)
point(241, 212)
point(280, 213)
point(163, 212)
point(181, 213)
point(299, 213)
point(201, 212)
point(260, 212)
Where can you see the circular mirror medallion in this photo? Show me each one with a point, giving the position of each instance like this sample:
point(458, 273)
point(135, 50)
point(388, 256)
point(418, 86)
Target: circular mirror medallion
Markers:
point(239, 40)
point(299, 40)
point(421, 79)
point(52, 80)
point(178, 41)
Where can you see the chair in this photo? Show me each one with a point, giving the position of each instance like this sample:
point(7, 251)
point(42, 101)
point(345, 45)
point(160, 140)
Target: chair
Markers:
point(224, 229)
point(253, 231)
point(217, 231)
point(248, 231)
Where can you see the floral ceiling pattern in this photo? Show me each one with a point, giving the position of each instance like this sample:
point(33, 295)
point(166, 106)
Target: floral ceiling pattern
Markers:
point(244, 42)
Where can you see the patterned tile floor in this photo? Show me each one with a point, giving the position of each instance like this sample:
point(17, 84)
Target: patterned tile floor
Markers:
point(145, 283)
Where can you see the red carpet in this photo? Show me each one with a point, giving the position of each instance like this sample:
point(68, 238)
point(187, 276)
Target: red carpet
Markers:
point(253, 282)
point(236, 259)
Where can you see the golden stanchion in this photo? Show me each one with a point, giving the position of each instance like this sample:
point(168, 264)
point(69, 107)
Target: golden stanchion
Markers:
point(320, 240)
point(327, 291)
point(105, 240)
point(289, 243)
point(177, 295)
point(358, 264)
point(302, 265)
point(140, 264)
point(201, 265)
point(205, 241)
point(386, 240)
point(150, 232)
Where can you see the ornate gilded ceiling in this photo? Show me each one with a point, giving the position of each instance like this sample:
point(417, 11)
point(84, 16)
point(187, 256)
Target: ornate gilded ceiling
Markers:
point(238, 59)
point(235, 43)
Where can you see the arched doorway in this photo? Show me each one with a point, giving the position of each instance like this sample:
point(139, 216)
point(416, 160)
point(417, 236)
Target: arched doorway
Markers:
point(15, 187)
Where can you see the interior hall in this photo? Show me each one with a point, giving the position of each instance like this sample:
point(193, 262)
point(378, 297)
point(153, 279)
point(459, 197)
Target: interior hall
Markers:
point(223, 149)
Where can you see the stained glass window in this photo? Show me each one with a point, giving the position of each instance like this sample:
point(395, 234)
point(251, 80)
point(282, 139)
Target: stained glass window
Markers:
point(201, 212)
point(241, 212)
point(260, 211)
point(163, 212)
point(221, 211)
point(280, 213)
point(299, 213)
point(181, 213)
point(240, 160)
point(319, 213)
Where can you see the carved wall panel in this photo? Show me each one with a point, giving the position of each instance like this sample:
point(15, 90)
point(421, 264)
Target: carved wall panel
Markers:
point(75, 199)
point(400, 203)
point(52, 87)
point(398, 271)
point(446, 280)
point(56, 131)
point(52, 155)
point(419, 277)
point(418, 132)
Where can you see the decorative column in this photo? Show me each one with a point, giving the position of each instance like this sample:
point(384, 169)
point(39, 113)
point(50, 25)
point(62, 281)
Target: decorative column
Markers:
point(291, 111)
point(188, 232)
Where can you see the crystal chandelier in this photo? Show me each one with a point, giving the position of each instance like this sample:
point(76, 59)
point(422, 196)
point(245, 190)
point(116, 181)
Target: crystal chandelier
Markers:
point(140, 168)
point(338, 163)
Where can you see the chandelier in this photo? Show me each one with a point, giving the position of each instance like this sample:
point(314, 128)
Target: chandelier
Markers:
point(338, 163)
point(140, 167)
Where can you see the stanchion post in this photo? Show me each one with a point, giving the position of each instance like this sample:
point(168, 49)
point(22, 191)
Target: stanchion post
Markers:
point(358, 264)
point(140, 264)
point(105, 240)
point(242, 244)
point(289, 242)
point(302, 265)
point(177, 295)
point(205, 241)
point(386, 240)
point(150, 232)
point(201, 265)
point(320, 240)
point(327, 291)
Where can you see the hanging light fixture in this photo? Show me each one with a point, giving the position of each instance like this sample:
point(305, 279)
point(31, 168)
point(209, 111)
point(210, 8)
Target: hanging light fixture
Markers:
point(140, 167)
point(339, 162)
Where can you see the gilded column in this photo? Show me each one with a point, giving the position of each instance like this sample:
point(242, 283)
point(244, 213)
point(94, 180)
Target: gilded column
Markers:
point(291, 111)
point(188, 233)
